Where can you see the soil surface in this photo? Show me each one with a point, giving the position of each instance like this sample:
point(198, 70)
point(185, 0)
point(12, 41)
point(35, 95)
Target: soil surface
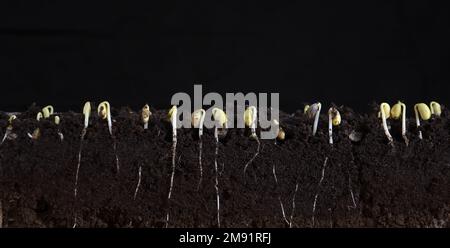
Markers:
point(302, 181)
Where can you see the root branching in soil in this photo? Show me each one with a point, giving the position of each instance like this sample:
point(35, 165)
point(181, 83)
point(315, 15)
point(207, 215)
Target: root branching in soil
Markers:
point(293, 205)
point(317, 194)
point(221, 121)
point(279, 195)
point(200, 167)
point(138, 183)
point(250, 119)
point(216, 185)
point(198, 117)
point(172, 117)
point(255, 155)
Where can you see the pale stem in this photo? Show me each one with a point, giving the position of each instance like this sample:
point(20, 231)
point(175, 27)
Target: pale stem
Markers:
point(385, 127)
point(418, 121)
point(109, 121)
point(404, 123)
point(202, 119)
point(316, 118)
point(330, 127)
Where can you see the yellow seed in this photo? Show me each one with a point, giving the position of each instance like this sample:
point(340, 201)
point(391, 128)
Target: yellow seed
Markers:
point(435, 108)
point(47, 111)
point(196, 117)
point(423, 110)
point(248, 116)
point(219, 116)
point(57, 120)
point(305, 109)
point(386, 109)
point(172, 111)
point(335, 116)
point(146, 113)
point(102, 109)
point(281, 134)
point(312, 110)
point(39, 116)
point(11, 118)
point(396, 111)
point(87, 109)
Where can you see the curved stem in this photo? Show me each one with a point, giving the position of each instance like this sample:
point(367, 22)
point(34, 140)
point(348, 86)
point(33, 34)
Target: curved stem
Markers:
point(316, 119)
point(330, 127)
point(385, 127)
point(418, 121)
point(404, 123)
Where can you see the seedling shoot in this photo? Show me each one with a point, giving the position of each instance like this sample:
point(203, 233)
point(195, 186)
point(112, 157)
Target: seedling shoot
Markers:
point(311, 112)
point(399, 109)
point(9, 128)
point(423, 112)
point(221, 120)
point(86, 114)
point(104, 111)
point(385, 111)
point(250, 119)
point(173, 119)
point(145, 115)
point(435, 109)
point(334, 119)
point(198, 117)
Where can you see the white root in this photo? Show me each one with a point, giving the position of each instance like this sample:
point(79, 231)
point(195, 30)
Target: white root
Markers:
point(115, 155)
point(198, 118)
point(330, 127)
point(317, 194)
point(279, 196)
point(216, 185)
point(75, 190)
point(174, 153)
point(405, 138)
point(138, 183)
point(255, 155)
point(200, 145)
point(293, 206)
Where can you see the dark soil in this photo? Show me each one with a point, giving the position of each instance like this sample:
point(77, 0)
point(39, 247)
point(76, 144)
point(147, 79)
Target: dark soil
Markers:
point(400, 186)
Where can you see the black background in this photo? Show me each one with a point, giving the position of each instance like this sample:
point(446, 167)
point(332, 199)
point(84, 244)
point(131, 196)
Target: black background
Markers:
point(64, 53)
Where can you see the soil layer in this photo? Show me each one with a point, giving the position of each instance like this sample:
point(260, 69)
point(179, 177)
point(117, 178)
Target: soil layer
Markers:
point(302, 181)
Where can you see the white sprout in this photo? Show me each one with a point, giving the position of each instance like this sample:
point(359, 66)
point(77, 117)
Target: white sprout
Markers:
point(198, 117)
point(422, 112)
point(313, 111)
point(385, 110)
point(334, 119)
point(173, 113)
